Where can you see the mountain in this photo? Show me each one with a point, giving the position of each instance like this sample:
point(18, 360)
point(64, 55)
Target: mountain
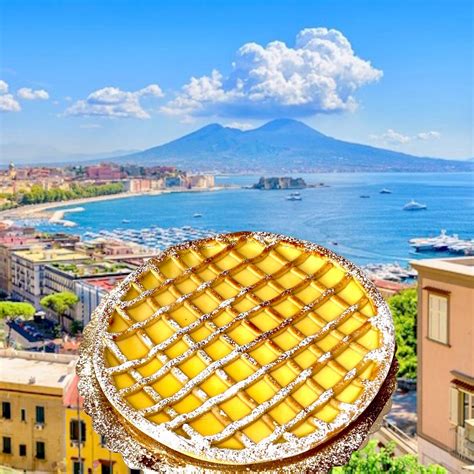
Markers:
point(278, 146)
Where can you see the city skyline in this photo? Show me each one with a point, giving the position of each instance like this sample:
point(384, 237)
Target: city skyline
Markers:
point(138, 75)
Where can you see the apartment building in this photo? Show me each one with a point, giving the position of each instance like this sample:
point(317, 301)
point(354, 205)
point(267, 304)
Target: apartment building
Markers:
point(445, 380)
point(200, 181)
point(104, 172)
point(83, 445)
point(73, 277)
point(110, 248)
point(62, 276)
point(90, 293)
point(13, 241)
point(27, 270)
point(144, 185)
point(32, 415)
point(7, 247)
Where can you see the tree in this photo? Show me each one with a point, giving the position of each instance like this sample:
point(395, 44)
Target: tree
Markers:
point(76, 327)
point(37, 194)
point(60, 303)
point(371, 460)
point(12, 310)
point(404, 310)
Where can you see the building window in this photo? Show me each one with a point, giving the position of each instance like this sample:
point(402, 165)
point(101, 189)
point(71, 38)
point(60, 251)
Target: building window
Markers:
point(77, 468)
point(74, 433)
point(6, 411)
point(40, 415)
point(22, 450)
point(7, 445)
point(105, 468)
point(453, 405)
point(461, 406)
point(135, 471)
point(438, 318)
point(102, 440)
point(23, 414)
point(40, 450)
point(467, 406)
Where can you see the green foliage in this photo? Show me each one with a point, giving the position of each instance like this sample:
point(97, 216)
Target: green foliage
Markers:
point(59, 303)
point(371, 460)
point(11, 309)
point(404, 310)
point(38, 195)
point(8, 205)
point(76, 327)
point(57, 330)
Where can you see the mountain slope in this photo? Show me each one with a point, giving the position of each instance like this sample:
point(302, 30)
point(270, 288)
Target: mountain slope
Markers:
point(281, 145)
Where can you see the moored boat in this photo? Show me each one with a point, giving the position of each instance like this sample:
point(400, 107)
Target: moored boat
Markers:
point(414, 206)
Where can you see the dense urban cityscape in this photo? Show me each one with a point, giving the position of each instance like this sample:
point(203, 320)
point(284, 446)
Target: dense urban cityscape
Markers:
point(51, 283)
point(33, 185)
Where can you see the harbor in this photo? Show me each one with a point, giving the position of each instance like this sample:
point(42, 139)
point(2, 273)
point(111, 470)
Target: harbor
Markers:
point(390, 272)
point(150, 238)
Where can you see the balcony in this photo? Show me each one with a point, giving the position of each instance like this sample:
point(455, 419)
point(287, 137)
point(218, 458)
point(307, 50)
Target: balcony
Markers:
point(464, 447)
point(75, 443)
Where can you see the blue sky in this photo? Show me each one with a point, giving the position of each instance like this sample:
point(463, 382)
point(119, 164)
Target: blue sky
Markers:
point(96, 76)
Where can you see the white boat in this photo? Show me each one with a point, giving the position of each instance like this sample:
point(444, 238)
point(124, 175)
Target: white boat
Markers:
point(442, 242)
point(385, 191)
point(414, 206)
point(294, 197)
point(197, 214)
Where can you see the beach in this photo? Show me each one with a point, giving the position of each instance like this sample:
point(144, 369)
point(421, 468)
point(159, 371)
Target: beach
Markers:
point(44, 210)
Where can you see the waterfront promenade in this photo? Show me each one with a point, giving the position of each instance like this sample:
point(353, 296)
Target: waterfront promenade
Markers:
point(43, 210)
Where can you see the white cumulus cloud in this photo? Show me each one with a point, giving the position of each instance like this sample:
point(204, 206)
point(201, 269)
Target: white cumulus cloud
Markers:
point(114, 102)
point(319, 74)
point(396, 138)
point(3, 87)
point(30, 94)
point(8, 103)
point(428, 135)
point(392, 137)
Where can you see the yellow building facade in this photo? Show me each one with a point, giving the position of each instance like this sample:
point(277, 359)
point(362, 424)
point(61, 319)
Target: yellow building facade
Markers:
point(83, 443)
point(31, 410)
point(42, 430)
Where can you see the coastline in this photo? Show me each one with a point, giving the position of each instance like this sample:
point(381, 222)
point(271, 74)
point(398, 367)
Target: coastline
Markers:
point(43, 210)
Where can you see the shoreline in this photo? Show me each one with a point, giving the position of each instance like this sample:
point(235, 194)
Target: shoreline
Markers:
point(43, 210)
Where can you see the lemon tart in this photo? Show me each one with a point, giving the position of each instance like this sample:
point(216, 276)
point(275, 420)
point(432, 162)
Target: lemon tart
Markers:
point(244, 349)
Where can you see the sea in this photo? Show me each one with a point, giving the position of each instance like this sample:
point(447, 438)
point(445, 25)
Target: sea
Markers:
point(366, 230)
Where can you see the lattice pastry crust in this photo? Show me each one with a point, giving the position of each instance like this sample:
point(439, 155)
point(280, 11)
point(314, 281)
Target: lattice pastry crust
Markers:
point(243, 348)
